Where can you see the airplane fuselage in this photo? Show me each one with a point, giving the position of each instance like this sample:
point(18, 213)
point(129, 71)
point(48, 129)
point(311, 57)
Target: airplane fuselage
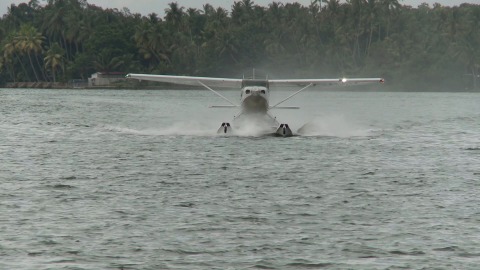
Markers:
point(254, 106)
point(254, 96)
point(254, 99)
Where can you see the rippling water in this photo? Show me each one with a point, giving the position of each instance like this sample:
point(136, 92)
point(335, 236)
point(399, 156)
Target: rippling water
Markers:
point(139, 180)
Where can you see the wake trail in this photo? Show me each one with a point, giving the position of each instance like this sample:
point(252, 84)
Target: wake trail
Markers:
point(334, 126)
point(326, 126)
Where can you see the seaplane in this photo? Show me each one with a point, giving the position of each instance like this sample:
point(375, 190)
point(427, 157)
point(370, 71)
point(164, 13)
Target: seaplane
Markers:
point(254, 108)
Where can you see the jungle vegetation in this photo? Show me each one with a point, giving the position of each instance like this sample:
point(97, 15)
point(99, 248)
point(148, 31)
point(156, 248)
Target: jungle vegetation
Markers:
point(419, 48)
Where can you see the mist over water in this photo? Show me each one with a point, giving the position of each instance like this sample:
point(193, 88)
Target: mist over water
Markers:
point(334, 126)
point(329, 126)
point(177, 129)
point(118, 179)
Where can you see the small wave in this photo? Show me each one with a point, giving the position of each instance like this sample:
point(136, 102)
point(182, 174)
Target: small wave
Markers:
point(185, 204)
point(61, 186)
point(35, 253)
point(408, 253)
point(300, 265)
point(194, 252)
point(124, 130)
point(469, 255)
point(263, 266)
point(449, 248)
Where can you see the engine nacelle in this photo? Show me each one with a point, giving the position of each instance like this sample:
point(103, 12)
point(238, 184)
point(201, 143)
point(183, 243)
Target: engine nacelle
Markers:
point(284, 131)
point(225, 128)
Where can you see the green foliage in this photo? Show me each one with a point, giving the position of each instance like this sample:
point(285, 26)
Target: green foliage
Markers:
point(414, 48)
point(55, 60)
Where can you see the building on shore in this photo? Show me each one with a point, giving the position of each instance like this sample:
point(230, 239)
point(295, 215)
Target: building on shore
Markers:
point(101, 79)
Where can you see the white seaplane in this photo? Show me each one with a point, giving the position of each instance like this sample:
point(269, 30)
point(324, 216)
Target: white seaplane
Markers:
point(254, 102)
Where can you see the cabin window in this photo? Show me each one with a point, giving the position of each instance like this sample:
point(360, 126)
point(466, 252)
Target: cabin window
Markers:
point(247, 82)
point(247, 91)
point(263, 92)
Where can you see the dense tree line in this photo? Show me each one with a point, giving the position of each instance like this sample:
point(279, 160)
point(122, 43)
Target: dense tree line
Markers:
point(412, 47)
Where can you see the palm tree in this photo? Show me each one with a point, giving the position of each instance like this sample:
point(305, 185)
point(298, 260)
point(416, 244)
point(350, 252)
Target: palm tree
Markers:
point(30, 41)
point(55, 59)
point(73, 31)
point(2, 32)
point(174, 14)
point(106, 63)
point(3, 64)
point(9, 53)
point(53, 24)
point(150, 39)
point(242, 11)
point(85, 31)
point(388, 8)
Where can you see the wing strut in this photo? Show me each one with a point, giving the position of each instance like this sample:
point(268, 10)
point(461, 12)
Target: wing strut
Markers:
point(218, 94)
point(292, 95)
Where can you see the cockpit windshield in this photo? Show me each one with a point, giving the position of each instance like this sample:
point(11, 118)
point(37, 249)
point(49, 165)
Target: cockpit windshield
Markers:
point(262, 83)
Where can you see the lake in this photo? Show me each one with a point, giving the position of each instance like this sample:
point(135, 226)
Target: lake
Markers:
point(138, 179)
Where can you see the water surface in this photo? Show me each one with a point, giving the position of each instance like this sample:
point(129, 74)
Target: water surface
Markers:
point(120, 179)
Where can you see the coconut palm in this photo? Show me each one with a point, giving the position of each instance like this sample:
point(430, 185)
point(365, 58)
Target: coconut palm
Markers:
point(174, 15)
point(105, 62)
point(30, 41)
point(55, 59)
point(53, 24)
point(8, 51)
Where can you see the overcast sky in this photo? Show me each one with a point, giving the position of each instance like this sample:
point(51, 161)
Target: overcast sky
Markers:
point(146, 7)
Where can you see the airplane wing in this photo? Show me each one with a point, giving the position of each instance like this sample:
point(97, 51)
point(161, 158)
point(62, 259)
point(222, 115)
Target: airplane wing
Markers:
point(237, 83)
point(188, 80)
point(346, 81)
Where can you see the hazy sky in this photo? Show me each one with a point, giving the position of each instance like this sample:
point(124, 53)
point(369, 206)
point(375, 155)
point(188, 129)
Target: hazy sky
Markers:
point(158, 6)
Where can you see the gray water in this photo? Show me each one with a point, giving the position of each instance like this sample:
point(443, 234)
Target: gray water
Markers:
point(121, 179)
